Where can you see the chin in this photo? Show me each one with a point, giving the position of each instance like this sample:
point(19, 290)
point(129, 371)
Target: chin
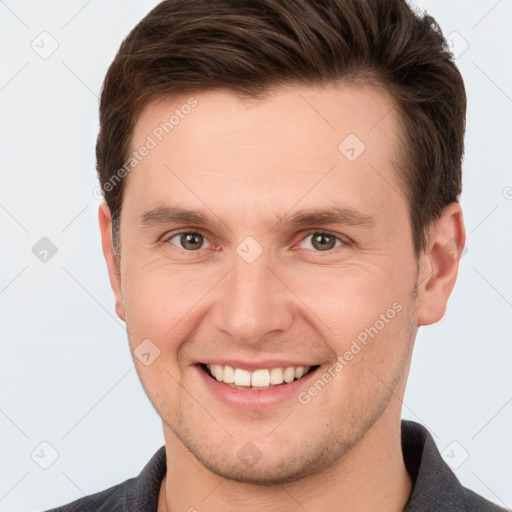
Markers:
point(238, 459)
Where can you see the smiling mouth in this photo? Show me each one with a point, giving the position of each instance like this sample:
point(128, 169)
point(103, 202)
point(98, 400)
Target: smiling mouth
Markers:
point(258, 379)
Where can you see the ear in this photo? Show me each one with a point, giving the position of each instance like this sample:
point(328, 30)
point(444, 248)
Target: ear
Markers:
point(439, 264)
point(114, 270)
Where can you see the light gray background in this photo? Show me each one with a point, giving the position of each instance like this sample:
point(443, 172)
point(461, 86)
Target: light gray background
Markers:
point(67, 377)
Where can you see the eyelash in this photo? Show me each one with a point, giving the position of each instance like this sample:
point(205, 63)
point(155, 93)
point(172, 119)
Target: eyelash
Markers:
point(167, 237)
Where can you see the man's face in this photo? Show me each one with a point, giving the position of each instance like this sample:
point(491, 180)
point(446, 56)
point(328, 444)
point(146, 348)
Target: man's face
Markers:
point(254, 293)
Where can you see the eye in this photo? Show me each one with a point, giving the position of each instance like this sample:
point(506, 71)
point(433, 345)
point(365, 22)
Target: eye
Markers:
point(192, 241)
point(189, 240)
point(323, 241)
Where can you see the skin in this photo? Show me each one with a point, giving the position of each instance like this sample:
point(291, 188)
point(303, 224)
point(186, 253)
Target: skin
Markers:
point(246, 163)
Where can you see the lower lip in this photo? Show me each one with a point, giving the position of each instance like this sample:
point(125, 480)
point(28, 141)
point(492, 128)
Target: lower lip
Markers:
point(255, 400)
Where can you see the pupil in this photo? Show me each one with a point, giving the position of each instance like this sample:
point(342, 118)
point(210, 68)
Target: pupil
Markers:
point(318, 238)
point(189, 240)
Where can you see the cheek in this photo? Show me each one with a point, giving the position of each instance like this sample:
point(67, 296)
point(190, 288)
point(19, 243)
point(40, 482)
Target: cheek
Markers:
point(158, 297)
point(362, 313)
point(372, 353)
point(349, 297)
point(156, 304)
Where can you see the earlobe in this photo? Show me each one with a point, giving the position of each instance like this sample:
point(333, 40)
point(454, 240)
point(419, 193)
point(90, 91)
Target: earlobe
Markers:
point(113, 267)
point(439, 264)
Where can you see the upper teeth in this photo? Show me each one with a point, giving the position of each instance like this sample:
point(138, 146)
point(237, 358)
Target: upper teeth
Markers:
point(259, 378)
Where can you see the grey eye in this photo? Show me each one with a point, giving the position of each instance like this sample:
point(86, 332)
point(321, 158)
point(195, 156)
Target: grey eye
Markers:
point(189, 240)
point(323, 242)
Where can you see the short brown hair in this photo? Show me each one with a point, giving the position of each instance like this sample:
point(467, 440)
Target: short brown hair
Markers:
point(250, 47)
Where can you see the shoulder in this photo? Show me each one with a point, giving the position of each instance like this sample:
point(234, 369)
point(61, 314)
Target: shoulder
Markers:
point(138, 493)
point(476, 503)
point(435, 485)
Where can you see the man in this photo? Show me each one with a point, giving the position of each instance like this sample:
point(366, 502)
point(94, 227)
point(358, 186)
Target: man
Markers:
point(282, 183)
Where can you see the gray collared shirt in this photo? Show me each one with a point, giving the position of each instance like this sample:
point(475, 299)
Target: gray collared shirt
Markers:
point(435, 486)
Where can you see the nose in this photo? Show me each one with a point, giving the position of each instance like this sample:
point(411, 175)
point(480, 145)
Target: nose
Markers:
point(253, 304)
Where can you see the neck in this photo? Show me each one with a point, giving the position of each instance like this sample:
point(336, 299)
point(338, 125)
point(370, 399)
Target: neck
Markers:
point(371, 477)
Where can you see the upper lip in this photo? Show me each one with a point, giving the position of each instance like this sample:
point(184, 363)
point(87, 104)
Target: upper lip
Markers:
point(256, 365)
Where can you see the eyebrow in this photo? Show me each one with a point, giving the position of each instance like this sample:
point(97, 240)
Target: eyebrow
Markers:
point(333, 215)
point(303, 218)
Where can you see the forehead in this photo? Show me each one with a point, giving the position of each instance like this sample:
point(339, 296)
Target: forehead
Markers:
point(320, 115)
point(296, 145)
